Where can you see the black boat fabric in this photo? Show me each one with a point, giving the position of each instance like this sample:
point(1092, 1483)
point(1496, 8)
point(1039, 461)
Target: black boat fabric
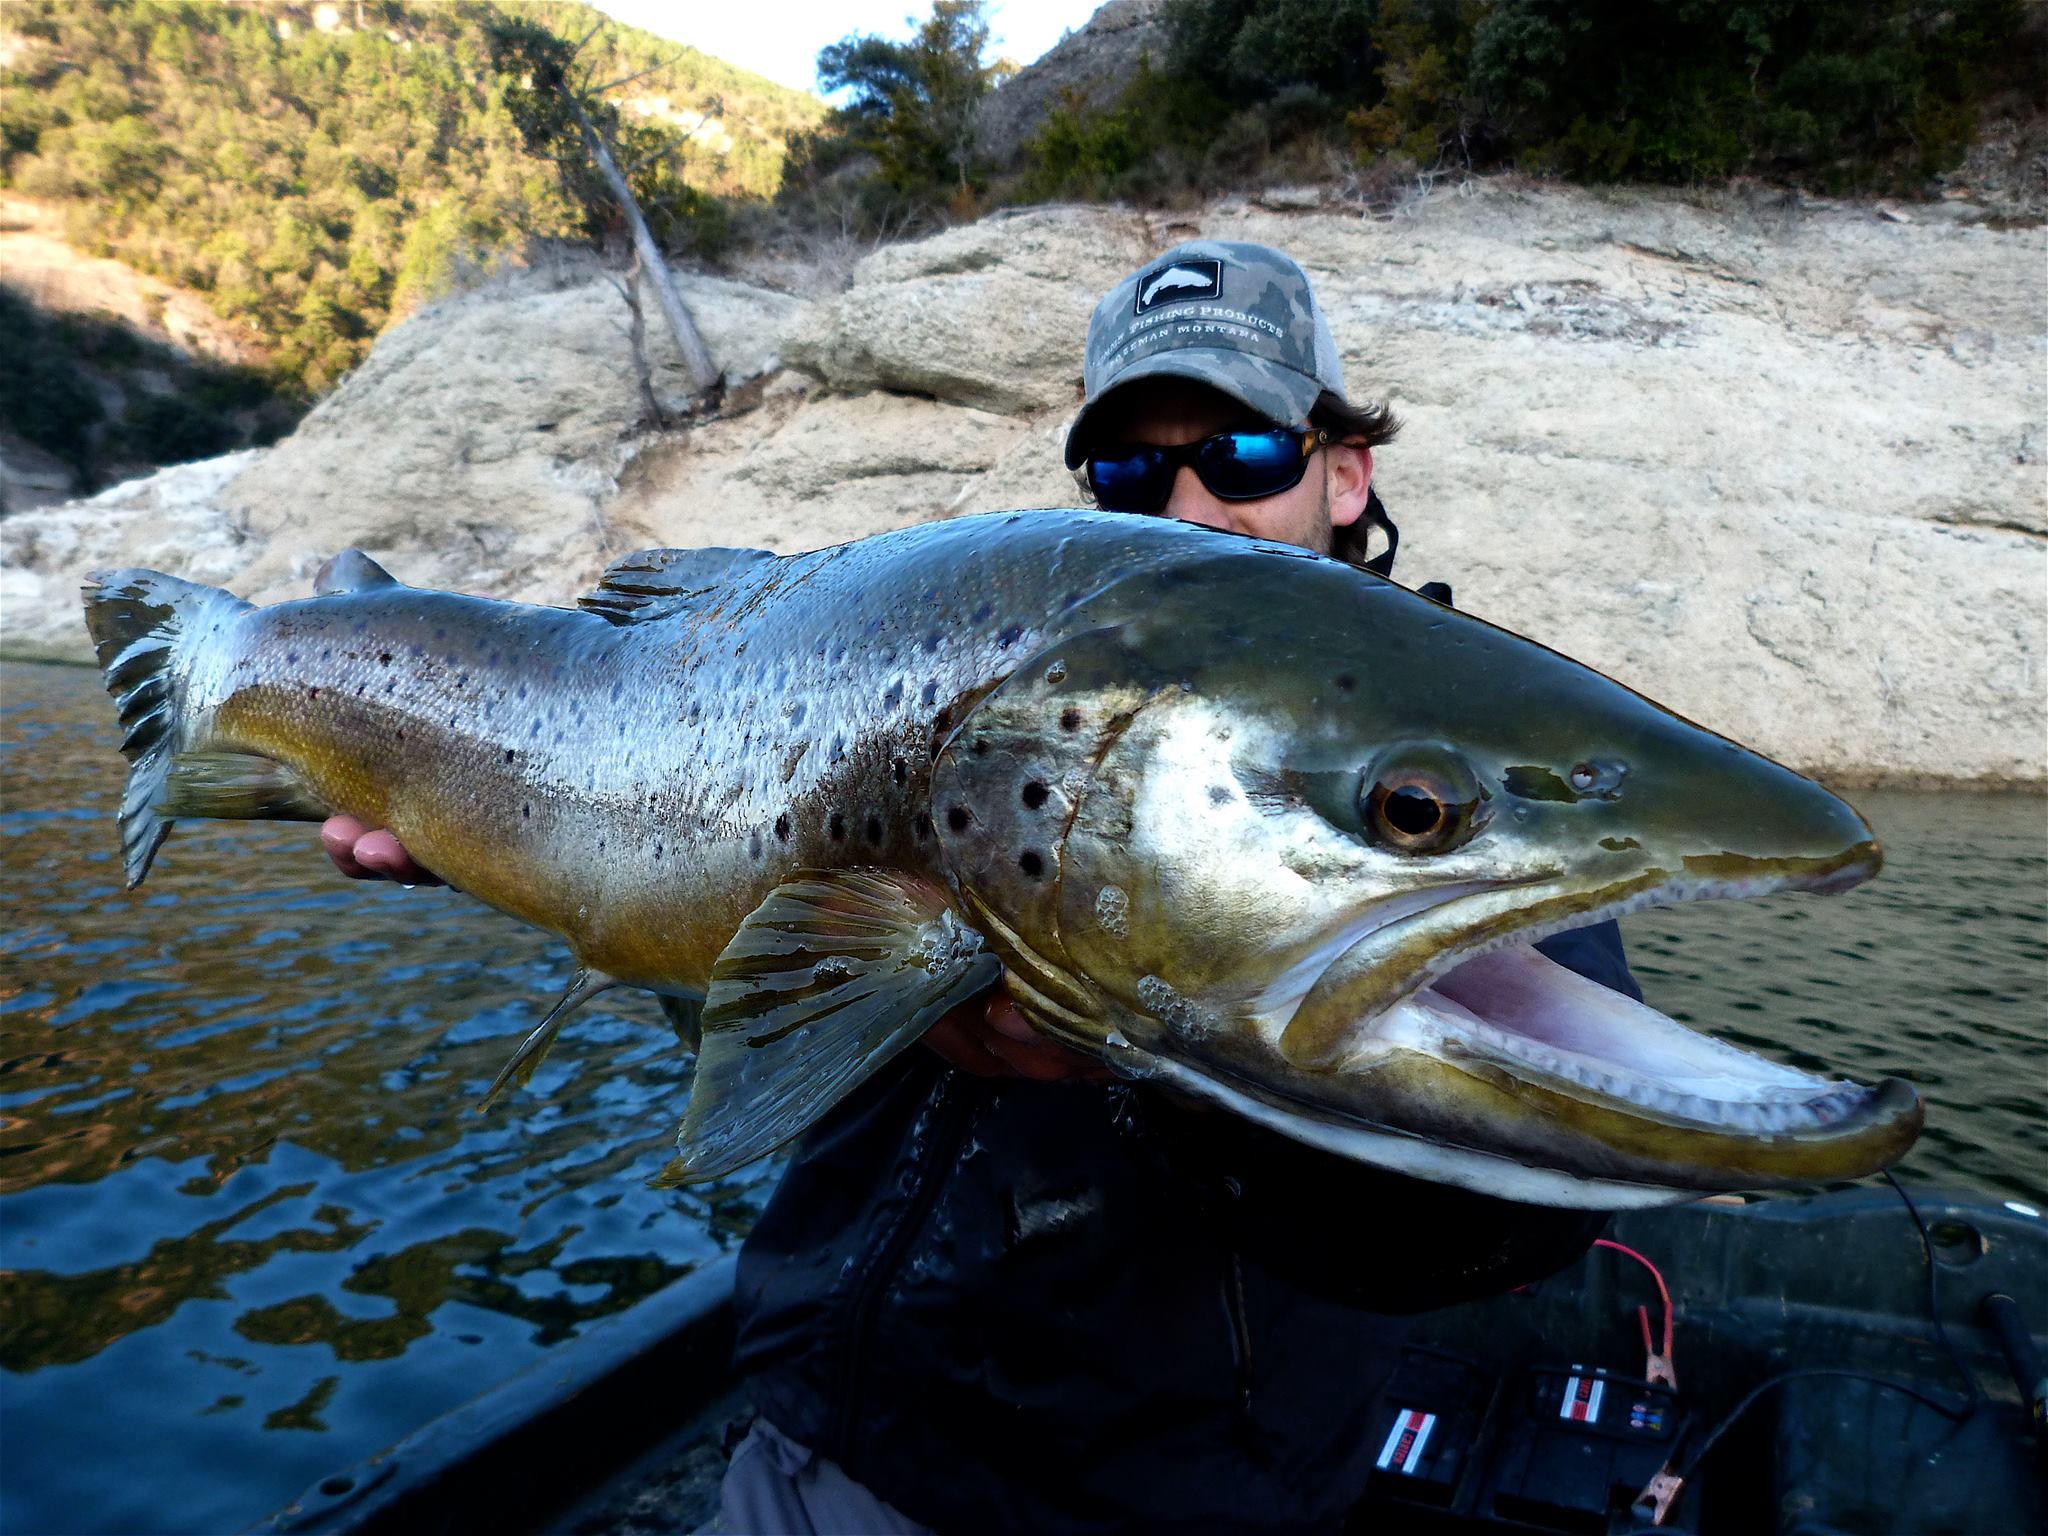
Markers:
point(1013, 1306)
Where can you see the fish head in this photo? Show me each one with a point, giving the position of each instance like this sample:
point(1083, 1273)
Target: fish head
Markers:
point(1284, 835)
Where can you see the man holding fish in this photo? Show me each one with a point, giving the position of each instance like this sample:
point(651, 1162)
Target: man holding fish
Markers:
point(1022, 1294)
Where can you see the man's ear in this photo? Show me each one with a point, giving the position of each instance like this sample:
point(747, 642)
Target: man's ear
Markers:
point(1348, 476)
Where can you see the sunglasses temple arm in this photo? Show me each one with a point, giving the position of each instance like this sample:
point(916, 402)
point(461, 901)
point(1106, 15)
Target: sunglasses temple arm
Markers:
point(1375, 514)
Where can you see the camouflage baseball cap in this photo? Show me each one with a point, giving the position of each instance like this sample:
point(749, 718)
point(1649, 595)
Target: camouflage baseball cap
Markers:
point(1238, 317)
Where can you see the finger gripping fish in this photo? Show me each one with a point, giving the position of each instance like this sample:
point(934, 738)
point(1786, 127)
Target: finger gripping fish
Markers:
point(1243, 821)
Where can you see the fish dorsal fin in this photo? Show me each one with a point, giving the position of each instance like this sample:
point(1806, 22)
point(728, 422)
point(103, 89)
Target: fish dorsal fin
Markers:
point(825, 981)
point(658, 582)
point(583, 986)
point(351, 571)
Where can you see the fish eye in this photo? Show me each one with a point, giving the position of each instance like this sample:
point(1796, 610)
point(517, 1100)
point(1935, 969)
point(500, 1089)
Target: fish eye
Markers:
point(1420, 800)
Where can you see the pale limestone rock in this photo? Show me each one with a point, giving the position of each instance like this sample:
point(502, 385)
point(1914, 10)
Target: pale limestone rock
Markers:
point(987, 314)
point(174, 520)
point(1778, 467)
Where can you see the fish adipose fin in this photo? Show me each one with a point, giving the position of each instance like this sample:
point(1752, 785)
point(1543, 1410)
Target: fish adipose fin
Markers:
point(825, 981)
point(351, 571)
point(145, 628)
point(583, 986)
point(658, 582)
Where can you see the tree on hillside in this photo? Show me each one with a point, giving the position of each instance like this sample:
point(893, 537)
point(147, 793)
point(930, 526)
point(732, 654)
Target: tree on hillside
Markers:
point(913, 104)
point(567, 118)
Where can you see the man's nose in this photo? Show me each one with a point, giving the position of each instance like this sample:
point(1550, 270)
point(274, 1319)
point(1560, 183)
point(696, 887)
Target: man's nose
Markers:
point(1193, 502)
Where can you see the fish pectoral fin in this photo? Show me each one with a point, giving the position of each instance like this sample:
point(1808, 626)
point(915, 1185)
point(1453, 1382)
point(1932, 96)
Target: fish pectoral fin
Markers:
point(583, 986)
point(825, 981)
point(685, 1016)
point(658, 582)
point(237, 786)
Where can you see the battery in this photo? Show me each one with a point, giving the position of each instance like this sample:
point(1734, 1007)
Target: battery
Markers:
point(1424, 1427)
point(1579, 1443)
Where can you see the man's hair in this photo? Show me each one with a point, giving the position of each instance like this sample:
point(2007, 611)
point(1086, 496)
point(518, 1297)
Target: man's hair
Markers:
point(1362, 426)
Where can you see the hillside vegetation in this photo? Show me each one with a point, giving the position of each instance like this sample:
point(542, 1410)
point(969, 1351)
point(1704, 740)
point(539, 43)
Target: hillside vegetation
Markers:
point(314, 170)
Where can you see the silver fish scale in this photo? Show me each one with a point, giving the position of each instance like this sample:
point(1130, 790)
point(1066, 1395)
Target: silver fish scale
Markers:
point(667, 774)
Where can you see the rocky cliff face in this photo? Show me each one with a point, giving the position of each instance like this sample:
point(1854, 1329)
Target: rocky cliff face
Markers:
point(1777, 465)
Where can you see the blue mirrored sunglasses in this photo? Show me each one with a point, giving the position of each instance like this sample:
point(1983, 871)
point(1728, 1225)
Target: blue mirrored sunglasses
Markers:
point(1234, 466)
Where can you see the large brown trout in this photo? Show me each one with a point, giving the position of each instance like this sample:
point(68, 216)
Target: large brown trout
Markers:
point(1239, 820)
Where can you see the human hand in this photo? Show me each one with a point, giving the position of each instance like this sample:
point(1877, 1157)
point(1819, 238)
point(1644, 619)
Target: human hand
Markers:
point(363, 853)
point(988, 1036)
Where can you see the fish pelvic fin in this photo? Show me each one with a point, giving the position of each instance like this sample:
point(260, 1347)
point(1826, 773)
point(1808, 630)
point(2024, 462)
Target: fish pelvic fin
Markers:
point(146, 628)
point(684, 1015)
point(825, 981)
point(518, 1072)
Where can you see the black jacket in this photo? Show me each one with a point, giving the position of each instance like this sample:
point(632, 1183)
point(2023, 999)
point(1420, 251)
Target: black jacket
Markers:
point(1014, 1306)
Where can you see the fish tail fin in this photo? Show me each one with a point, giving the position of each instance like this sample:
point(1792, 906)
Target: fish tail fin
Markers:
point(146, 627)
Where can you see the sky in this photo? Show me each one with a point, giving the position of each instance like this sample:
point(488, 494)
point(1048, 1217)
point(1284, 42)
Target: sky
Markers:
point(781, 38)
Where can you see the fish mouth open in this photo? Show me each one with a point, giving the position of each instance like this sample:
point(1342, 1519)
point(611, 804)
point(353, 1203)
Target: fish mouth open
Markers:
point(1525, 1014)
point(1460, 983)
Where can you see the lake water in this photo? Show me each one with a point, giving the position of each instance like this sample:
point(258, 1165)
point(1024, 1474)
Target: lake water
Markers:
point(251, 1231)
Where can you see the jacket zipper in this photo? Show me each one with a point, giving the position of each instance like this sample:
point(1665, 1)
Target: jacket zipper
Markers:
point(935, 1166)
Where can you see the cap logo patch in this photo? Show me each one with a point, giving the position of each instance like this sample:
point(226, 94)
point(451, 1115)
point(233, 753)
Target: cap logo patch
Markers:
point(1189, 278)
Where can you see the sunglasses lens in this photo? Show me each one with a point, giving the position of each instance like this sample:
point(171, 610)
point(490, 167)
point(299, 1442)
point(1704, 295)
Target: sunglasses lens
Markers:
point(1243, 466)
point(1134, 482)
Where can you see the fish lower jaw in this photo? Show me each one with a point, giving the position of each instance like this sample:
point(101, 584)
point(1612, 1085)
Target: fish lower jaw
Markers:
point(1519, 1013)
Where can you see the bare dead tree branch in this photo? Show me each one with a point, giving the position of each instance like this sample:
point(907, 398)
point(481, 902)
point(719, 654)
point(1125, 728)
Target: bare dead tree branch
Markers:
point(696, 358)
point(652, 69)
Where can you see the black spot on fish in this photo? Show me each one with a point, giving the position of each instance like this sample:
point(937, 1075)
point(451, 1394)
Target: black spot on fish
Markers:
point(292, 657)
point(836, 827)
point(981, 614)
point(980, 747)
point(782, 827)
point(1011, 634)
point(893, 694)
point(508, 754)
point(383, 658)
point(1035, 794)
point(931, 642)
point(754, 844)
point(312, 693)
point(1070, 719)
point(1219, 795)
point(1346, 682)
point(526, 813)
point(958, 817)
point(401, 735)
point(872, 830)
point(1030, 862)
point(899, 770)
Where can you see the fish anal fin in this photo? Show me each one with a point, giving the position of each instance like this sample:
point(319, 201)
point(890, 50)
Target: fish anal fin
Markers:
point(236, 786)
point(825, 981)
point(658, 582)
